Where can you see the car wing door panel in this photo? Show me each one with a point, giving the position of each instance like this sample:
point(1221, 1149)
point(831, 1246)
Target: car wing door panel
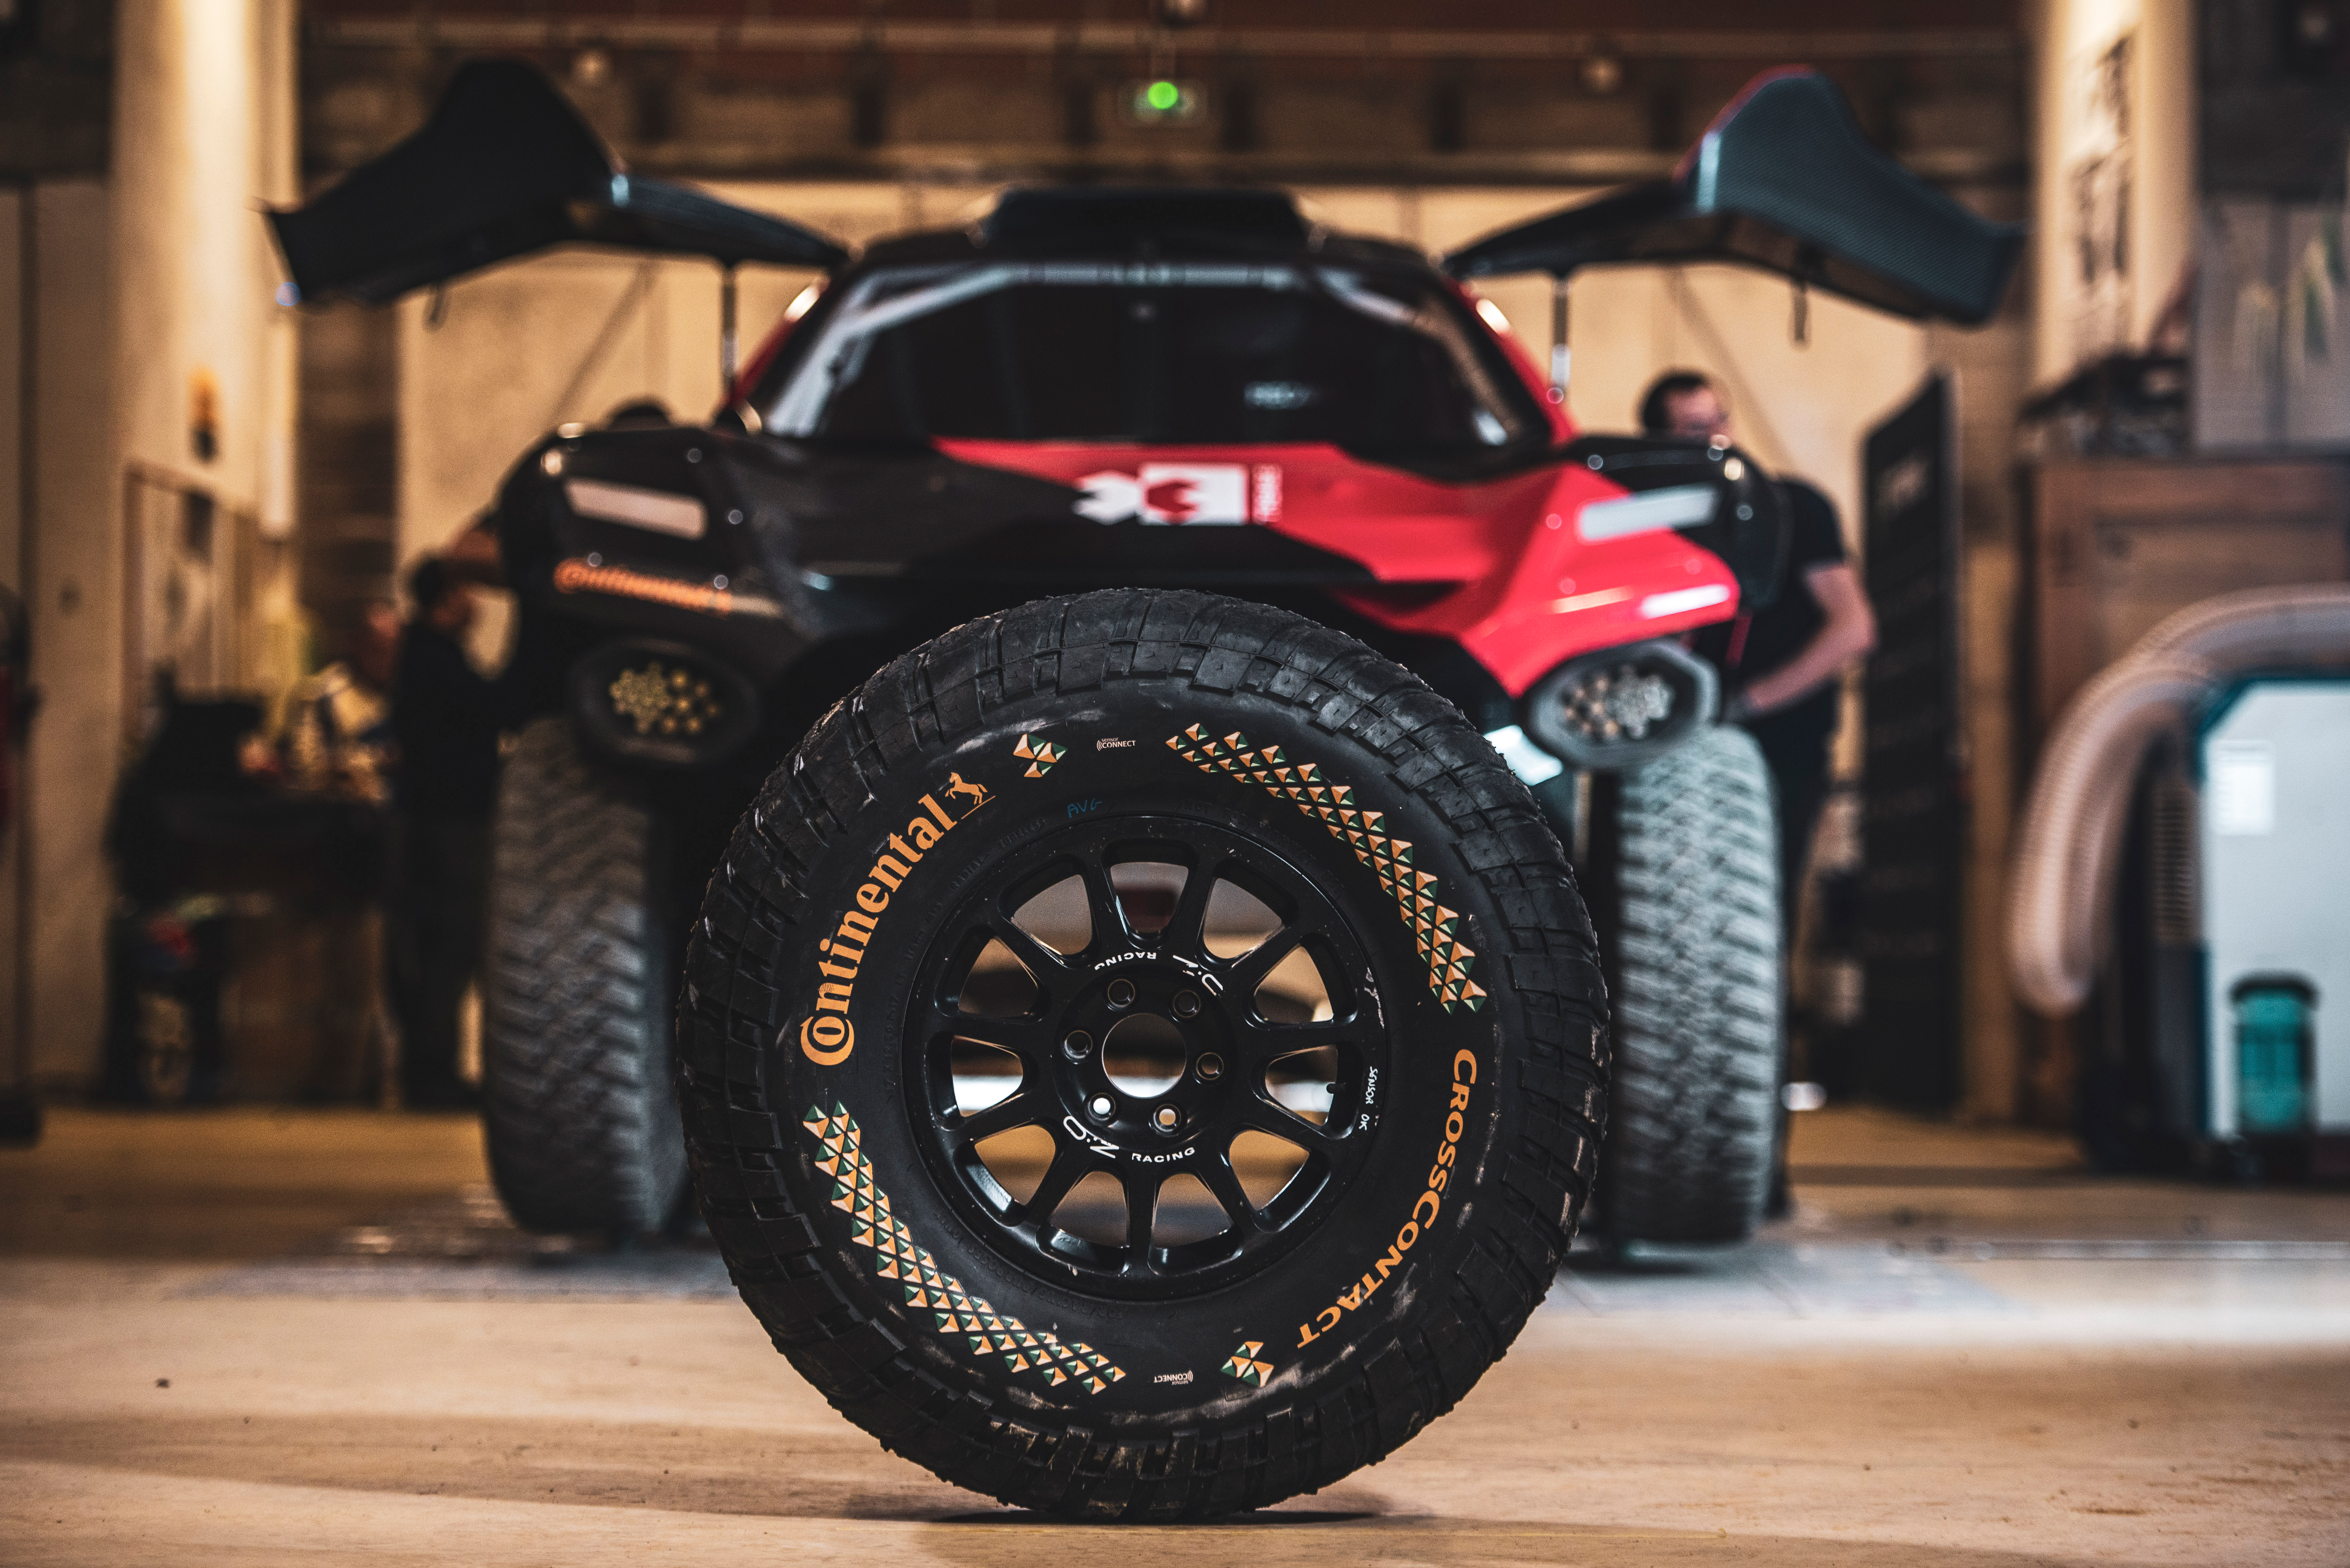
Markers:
point(1783, 181)
point(505, 167)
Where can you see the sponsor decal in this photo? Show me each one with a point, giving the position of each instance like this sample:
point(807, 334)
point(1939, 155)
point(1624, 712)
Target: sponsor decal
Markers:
point(827, 1035)
point(929, 1288)
point(1264, 492)
point(1434, 927)
point(1243, 1364)
point(713, 597)
point(1200, 493)
point(1177, 1378)
point(1040, 755)
point(1110, 743)
point(1424, 1210)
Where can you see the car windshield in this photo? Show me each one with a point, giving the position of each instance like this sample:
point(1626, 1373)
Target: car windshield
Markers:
point(1213, 354)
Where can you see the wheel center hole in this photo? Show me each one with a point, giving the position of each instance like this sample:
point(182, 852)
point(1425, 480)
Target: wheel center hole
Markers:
point(1144, 1054)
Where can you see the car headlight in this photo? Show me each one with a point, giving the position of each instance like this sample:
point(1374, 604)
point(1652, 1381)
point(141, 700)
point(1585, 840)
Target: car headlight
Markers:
point(1622, 706)
point(661, 702)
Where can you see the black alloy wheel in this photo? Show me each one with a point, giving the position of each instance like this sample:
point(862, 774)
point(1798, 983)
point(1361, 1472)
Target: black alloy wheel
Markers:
point(1217, 1053)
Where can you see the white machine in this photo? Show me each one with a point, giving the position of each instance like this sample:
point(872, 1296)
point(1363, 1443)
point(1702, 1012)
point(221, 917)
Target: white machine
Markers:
point(2275, 864)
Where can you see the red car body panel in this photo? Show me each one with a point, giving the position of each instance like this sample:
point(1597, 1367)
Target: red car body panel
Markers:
point(1514, 582)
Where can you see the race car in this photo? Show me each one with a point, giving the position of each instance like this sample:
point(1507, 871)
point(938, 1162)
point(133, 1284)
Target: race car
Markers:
point(1063, 788)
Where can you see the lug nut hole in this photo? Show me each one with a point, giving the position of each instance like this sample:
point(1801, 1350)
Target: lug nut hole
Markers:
point(1077, 1044)
point(1187, 1004)
point(1167, 1118)
point(1102, 1106)
point(1209, 1067)
point(1121, 993)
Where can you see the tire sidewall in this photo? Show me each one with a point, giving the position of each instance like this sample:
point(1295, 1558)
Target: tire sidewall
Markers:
point(1391, 1238)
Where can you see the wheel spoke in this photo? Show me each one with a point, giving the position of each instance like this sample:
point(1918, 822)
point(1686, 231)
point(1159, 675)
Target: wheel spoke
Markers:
point(1018, 1109)
point(1269, 1116)
point(1044, 965)
point(1185, 932)
point(1224, 1184)
point(1248, 971)
point(1110, 931)
point(1022, 1036)
point(1141, 1212)
point(1272, 1039)
point(1059, 1177)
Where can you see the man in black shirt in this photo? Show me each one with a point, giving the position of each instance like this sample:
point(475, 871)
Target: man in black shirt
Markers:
point(446, 717)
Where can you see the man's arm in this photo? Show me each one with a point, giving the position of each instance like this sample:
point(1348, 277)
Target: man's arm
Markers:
point(1850, 633)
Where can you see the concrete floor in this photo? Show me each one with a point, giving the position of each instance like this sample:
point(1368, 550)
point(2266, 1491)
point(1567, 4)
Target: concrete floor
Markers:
point(270, 1337)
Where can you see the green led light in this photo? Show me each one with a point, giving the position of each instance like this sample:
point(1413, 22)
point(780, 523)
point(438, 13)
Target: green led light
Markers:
point(1162, 96)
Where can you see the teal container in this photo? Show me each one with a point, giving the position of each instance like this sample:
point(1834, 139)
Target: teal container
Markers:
point(2276, 1045)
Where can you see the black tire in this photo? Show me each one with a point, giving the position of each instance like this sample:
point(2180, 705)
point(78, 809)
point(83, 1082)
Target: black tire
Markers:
point(1693, 862)
point(579, 1105)
point(1125, 1379)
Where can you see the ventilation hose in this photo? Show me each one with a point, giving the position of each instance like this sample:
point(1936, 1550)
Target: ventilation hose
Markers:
point(2061, 892)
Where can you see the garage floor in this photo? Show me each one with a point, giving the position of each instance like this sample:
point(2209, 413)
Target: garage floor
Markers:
point(267, 1337)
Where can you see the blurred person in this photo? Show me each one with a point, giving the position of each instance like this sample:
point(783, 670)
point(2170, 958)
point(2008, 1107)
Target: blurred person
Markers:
point(1781, 665)
point(335, 748)
point(338, 738)
point(446, 717)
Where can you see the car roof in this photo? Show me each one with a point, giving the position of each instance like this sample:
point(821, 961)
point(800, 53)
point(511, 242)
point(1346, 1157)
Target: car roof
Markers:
point(1141, 222)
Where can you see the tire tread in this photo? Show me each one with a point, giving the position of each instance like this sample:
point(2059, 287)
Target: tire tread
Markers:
point(1698, 1017)
point(579, 1113)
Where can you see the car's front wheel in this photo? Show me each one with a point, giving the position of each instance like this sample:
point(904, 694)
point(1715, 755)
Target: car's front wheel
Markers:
point(1142, 1055)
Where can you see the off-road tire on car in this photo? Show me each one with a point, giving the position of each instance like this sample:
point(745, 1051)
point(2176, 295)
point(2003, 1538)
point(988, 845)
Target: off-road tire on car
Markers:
point(579, 1105)
point(1689, 864)
point(970, 1332)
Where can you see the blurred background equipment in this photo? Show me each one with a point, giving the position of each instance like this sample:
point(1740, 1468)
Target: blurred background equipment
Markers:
point(2227, 890)
point(2273, 857)
point(241, 917)
point(1909, 1049)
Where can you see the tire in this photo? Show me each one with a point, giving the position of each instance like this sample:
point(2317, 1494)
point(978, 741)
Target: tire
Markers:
point(579, 1105)
point(1693, 866)
point(1086, 1361)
